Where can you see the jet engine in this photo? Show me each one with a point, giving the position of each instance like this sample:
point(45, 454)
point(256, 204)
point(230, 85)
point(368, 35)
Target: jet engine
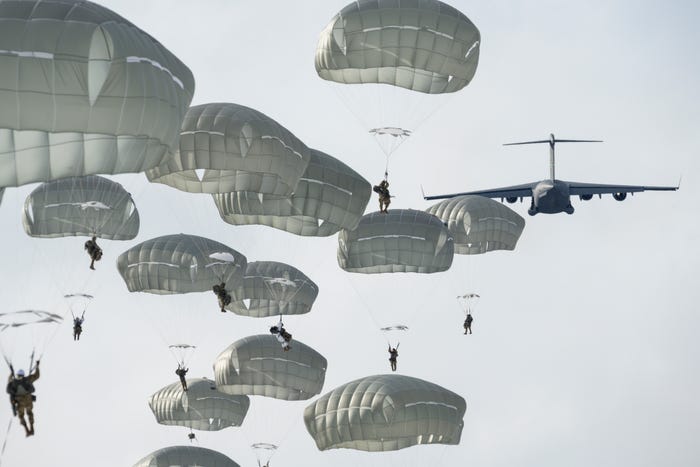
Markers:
point(511, 199)
point(620, 196)
point(585, 197)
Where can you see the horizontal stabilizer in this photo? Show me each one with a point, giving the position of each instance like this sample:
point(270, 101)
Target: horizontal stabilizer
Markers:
point(555, 140)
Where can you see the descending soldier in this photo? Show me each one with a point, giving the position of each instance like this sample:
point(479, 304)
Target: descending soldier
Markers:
point(468, 323)
point(94, 251)
point(181, 372)
point(21, 391)
point(283, 337)
point(393, 354)
point(77, 327)
point(223, 296)
point(384, 197)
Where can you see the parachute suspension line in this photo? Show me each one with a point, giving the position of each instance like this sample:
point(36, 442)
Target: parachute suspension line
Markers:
point(4, 443)
point(7, 360)
point(31, 361)
point(364, 304)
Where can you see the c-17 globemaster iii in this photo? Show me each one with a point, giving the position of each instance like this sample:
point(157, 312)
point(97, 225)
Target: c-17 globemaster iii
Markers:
point(552, 196)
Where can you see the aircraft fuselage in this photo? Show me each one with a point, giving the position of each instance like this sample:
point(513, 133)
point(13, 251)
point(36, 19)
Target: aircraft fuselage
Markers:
point(551, 197)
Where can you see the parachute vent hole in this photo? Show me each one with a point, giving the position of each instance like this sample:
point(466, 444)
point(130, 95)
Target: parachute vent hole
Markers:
point(200, 173)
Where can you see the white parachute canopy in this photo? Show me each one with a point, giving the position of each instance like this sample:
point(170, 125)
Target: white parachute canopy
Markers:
point(177, 264)
point(271, 288)
point(96, 94)
point(25, 334)
point(385, 413)
point(201, 407)
point(186, 456)
point(81, 206)
point(468, 302)
point(402, 240)
point(479, 224)
point(394, 60)
point(263, 452)
point(228, 147)
point(78, 304)
point(182, 353)
point(330, 195)
point(257, 366)
point(394, 333)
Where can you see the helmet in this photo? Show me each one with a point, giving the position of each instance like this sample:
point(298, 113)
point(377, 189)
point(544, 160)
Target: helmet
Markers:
point(20, 373)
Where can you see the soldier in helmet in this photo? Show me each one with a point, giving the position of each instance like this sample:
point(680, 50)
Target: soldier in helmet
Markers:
point(384, 197)
point(468, 323)
point(21, 390)
point(94, 251)
point(181, 372)
point(393, 355)
point(223, 296)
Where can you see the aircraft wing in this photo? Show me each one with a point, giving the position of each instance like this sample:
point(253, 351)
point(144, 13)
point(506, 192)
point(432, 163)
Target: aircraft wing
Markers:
point(596, 189)
point(516, 191)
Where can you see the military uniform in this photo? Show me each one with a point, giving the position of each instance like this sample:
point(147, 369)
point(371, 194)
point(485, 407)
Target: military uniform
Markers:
point(21, 391)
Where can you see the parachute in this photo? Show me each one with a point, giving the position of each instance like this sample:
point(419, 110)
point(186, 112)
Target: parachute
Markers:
point(202, 407)
point(186, 456)
point(329, 196)
point(257, 365)
point(25, 334)
point(182, 353)
point(403, 240)
point(174, 264)
point(392, 59)
point(263, 452)
point(81, 206)
point(385, 413)
point(78, 304)
point(394, 333)
point(425, 46)
point(96, 94)
point(479, 224)
point(468, 302)
point(270, 288)
point(229, 147)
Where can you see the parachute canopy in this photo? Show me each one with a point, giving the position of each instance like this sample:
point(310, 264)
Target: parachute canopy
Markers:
point(186, 456)
point(18, 319)
point(479, 224)
point(25, 334)
point(179, 264)
point(257, 365)
point(403, 240)
point(83, 91)
point(270, 288)
point(201, 407)
point(468, 302)
point(385, 413)
point(420, 45)
point(329, 196)
point(264, 452)
point(229, 147)
point(88, 206)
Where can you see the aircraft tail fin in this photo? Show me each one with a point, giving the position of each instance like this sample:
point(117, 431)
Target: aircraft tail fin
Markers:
point(552, 142)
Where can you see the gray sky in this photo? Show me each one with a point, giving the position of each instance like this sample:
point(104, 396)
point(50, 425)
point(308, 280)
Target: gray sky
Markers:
point(584, 350)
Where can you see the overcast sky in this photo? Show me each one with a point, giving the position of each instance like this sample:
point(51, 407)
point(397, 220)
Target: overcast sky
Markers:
point(584, 349)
